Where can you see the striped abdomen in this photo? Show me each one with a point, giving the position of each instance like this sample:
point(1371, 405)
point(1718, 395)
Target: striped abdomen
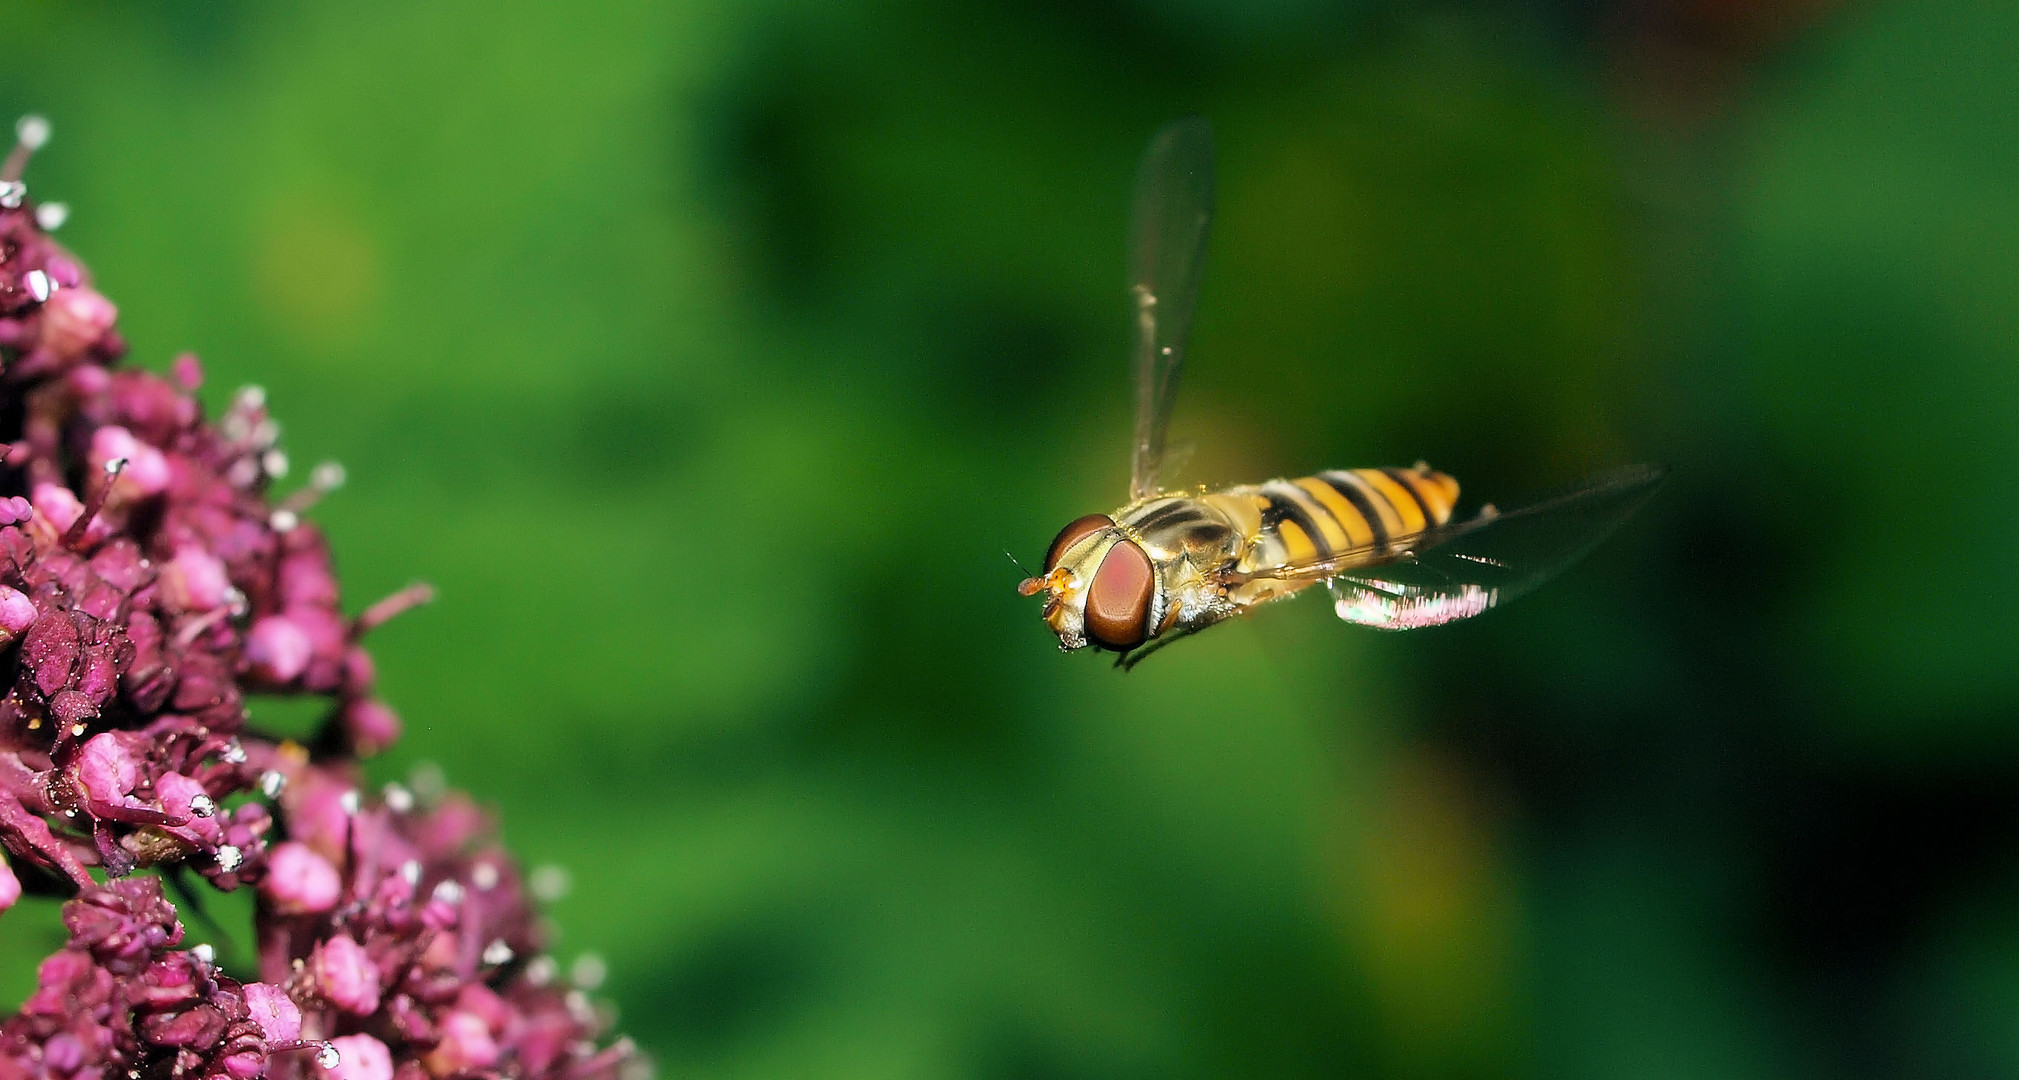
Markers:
point(1368, 514)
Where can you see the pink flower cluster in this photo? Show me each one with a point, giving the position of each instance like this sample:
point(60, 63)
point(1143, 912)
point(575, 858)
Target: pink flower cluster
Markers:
point(148, 582)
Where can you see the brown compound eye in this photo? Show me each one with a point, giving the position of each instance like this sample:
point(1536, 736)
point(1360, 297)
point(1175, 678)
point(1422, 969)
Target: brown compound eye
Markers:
point(1077, 530)
point(1118, 601)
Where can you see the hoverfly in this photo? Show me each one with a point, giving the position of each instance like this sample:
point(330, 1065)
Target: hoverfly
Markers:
point(1170, 564)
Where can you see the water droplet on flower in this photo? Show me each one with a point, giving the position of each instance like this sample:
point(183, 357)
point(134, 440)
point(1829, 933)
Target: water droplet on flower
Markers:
point(234, 754)
point(11, 193)
point(484, 876)
point(52, 215)
point(427, 780)
point(497, 953)
point(328, 476)
point(588, 971)
point(32, 131)
point(327, 1057)
point(229, 858)
point(275, 463)
point(283, 521)
point(636, 1067)
point(234, 599)
point(398, 799)
point(449, 892)
point(38, 285)
point(549, 883)
point(77, 729)
point(540, 970)
point(202, 806)
point(411, 870)
point(272, 782)
point(348, 802)
point(204, 953)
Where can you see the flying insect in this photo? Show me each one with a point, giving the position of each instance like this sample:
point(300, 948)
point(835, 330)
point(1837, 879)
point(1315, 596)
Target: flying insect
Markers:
point(1383, 541)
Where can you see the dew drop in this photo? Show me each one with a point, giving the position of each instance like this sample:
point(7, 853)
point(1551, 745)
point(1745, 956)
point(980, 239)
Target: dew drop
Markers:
point(549, 883)
point(32, 131)
point(588, 971)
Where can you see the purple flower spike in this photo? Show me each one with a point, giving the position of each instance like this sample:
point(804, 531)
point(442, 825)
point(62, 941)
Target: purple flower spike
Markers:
point(299, 881)
point(147, 584)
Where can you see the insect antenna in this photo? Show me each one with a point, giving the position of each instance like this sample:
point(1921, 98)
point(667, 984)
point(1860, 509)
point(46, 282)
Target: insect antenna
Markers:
point(1031, 582)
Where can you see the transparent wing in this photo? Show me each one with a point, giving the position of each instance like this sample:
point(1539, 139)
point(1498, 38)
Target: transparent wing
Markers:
point(1167, 238)
point(1463, 569)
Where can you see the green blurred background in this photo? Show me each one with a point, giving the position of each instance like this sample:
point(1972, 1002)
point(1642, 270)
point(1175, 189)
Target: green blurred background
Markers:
point(707, 356)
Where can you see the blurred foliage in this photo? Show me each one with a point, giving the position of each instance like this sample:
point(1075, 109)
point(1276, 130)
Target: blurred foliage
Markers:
point(706, 357)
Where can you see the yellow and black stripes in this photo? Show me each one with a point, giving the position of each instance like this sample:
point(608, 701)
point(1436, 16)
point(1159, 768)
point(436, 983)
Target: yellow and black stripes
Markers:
point(1349, 512)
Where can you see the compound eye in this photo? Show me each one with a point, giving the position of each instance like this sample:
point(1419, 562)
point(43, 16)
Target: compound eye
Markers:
point(1118, 602)
point(1079, 529)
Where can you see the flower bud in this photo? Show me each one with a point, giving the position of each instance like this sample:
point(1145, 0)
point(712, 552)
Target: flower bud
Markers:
point(185, 798)
point(10, 886)
point(466, 1045)
point(188, 371)
point(299, 881)
point(17, 614)
point(278, 649)
point(146, 470)
point(194, 580)
point(73, 321)
point(56, 505)
point(278, 1018)
point(360, 1057)
point(107, 773)
point(345, 975)
point(370, 725)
